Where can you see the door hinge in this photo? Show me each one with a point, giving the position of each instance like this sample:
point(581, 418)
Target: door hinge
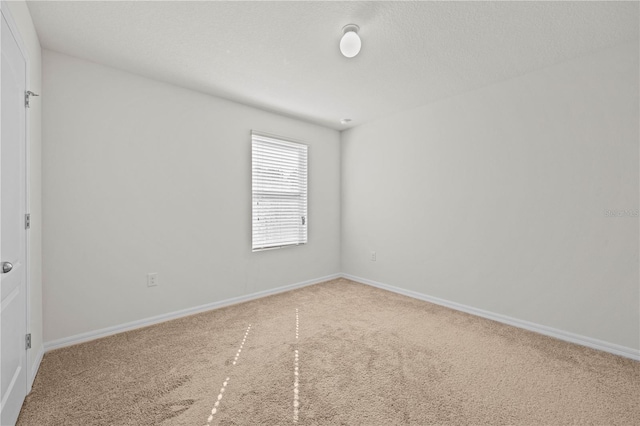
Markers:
point(28, 341)
point(27, 98)
point(27, 221)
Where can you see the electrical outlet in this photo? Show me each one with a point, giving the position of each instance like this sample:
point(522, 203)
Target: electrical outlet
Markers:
point(373, 256)
point(152, 279)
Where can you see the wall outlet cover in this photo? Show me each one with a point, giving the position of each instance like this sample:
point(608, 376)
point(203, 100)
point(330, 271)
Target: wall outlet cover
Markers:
point(152, 279)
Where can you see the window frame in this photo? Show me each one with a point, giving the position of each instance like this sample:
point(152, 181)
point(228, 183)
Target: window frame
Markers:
point(298, 148)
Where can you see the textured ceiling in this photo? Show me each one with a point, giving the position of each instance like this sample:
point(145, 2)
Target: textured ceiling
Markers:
point(284, 56)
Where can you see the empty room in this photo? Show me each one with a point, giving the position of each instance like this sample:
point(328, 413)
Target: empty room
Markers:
point(320, 213)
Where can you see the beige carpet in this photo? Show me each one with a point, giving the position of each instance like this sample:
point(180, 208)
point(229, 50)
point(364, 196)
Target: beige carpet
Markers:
point(365, 357)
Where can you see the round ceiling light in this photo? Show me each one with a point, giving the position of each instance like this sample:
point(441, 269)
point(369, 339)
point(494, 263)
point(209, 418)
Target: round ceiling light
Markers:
point(350, 43)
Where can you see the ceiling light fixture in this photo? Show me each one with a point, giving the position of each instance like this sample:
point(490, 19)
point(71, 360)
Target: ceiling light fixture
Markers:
point(350, 43)
point(345, 121)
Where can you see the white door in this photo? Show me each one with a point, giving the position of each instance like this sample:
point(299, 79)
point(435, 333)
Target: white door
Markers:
point(13, 373)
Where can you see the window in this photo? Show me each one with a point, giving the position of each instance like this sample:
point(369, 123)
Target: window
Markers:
point(279, 192)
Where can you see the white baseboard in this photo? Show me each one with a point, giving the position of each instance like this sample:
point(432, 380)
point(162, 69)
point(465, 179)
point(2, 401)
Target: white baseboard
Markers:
point(542, 329)
point(108, 331)
point(34, 367)
point(538, 328)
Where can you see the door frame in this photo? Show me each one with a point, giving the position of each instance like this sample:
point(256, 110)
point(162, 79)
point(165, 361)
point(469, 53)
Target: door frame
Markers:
point(5, 10)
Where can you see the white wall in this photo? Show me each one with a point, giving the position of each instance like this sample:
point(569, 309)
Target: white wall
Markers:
point(140, 176)
point(496, 198)
point(22, 18)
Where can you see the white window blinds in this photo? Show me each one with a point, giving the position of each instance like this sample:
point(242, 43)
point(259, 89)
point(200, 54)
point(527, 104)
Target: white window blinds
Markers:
point(279, 192)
